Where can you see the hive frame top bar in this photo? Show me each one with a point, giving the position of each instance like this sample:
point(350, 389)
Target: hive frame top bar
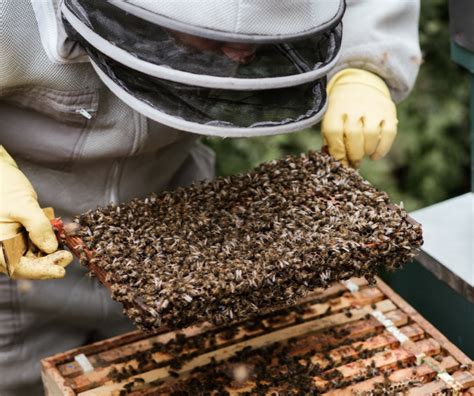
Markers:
point(61, 374)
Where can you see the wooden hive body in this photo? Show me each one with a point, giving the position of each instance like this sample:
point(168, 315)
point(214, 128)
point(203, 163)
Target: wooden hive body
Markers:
point(334, 328)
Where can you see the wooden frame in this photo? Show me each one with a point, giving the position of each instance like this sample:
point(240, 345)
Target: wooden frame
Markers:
point(313, 322)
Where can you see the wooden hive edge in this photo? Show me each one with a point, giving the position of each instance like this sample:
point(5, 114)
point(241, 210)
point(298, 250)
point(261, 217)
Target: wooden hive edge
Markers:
point(424, 323)
point(58, 383)
point(51, 364)
point(316, 318)
point(259, 341)
point(332, 294)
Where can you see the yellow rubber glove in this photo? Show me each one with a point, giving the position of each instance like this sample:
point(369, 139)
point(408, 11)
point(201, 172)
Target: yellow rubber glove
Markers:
point(361, 118)
point(19, 207)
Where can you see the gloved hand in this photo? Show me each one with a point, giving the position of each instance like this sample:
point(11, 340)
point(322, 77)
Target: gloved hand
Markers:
point(19, 207)
point(361, 118)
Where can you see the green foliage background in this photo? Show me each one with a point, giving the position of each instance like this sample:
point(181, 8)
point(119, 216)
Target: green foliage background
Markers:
point(430, 158)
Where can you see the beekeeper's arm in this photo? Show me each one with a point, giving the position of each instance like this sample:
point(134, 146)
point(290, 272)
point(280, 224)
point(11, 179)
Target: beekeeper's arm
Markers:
point(380, 58)
point(19, 207)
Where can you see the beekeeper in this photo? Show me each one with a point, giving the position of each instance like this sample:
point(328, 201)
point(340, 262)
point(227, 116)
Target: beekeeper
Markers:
point(104, 101)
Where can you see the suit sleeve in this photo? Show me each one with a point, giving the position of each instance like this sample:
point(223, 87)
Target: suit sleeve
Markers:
point(382, 37)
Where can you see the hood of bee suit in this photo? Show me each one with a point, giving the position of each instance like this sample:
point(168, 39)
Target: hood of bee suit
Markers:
point(215, 67)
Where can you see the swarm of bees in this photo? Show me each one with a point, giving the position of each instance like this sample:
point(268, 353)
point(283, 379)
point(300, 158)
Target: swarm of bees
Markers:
point(226, 249)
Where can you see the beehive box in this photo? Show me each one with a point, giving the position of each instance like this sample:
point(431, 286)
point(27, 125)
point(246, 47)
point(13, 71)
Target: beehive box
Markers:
point(349, 339)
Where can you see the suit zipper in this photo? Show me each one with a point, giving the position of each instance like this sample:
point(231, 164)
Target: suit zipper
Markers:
point(119, 164)
point(85, 113)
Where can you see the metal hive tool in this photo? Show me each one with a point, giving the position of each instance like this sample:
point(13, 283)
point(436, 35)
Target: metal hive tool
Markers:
point(223, 250)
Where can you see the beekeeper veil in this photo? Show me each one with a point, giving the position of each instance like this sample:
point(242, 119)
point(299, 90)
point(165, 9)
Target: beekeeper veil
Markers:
point(214, 67)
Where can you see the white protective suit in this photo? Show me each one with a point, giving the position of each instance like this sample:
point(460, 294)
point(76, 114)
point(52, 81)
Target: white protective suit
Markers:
point(82, 147)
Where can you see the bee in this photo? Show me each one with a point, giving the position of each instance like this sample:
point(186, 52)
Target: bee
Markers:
point(230, 248)
point(173, 374)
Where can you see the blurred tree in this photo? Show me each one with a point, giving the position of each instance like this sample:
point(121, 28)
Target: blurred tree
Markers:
point(430, 159)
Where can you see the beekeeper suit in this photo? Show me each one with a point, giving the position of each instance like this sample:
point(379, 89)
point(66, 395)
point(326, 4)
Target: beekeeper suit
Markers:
point(104, 101)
